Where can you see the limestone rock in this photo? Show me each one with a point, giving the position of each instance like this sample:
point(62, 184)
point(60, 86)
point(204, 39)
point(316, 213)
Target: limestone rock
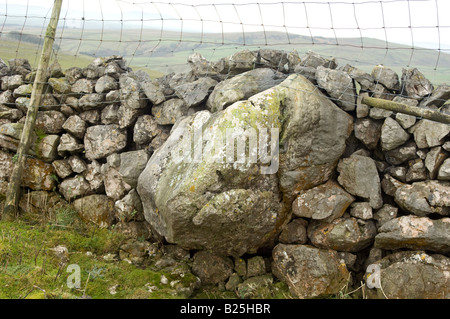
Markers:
point(309, 272)
point(241, 87)
point(325, 202)
point(74, 187)
point(359, 176)
point(97, 209)
point(342, 234)
point(424, 198)
point(415, 84)
point(387, 77)
point(131, 166)
point(339, 85)
point(75, 126)
point(211, 268)
point(368, 131)
point(412, 275)
point(444, 171)
point(169, 111)
point(195, 92)
point(429, 134)
point(103, 140)
point(294, 232)
point(392, 135)
point(415, 232)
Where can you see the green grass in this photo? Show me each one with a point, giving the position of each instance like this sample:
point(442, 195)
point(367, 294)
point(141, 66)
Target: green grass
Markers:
point(29, 268)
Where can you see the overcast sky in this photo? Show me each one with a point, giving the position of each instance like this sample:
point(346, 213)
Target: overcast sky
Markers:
point(413, 22)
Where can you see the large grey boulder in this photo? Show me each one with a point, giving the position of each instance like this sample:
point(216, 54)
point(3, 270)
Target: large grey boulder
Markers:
point(415, 232)
point(409, 275)
point(103, 140)
point(308, 271)
point(359, 176)
point(313, 136)
point(234, 207)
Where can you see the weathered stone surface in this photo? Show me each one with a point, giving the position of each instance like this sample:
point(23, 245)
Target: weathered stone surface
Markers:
point(75, 126)
point(405, 120)
point(364, 79)
point(313, 59)
point(359, 176)
point(195, 92)
point(429, 134)
point(73, 74)
point(361, 210)
point(415, 232)
point(103, 140)
point(339, 85)
point(37, 175)
point(62, 168)
point(241, 87)
point(385, 214)
point(368, 131)
point(93, 176)
point(6, 165)
point(401, 154)
point(110, 114)
point(415, 84)
point(82, 86)
point(91, 101)
point(249, 204)
point(313, 136)
point(256, 266)
point(412, 275)
point(69, 145)
point(434, 160)
point(416, 171)
point(424, 198)
point(19, 66)
point(308, 271)
point(11, 82)
point(211, 268)
point(105, 84)
point(129, 207)
point(115, 186)
point(325, 202)
point(294, 232)
point(131, 166)
point(59, 85)
point(74, 187)
point(97, 209)
point(439, 96)
point(153, 92)
point(387, 77)
point(131, 95)
point(50, 122)
point(170, 111)
point(76, 164)
point(10, 113)
point(145, 129)
point(342, 234)
point(392, 135)
point(444, 171)
point(46, 148)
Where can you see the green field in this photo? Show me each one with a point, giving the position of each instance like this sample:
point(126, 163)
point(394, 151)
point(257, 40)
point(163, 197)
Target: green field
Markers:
point(163, 52)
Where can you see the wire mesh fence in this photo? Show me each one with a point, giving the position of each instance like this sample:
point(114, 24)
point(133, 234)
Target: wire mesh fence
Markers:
point(159, 36)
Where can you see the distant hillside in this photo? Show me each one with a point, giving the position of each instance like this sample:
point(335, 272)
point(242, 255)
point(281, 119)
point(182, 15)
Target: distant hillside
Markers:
point(167, 51)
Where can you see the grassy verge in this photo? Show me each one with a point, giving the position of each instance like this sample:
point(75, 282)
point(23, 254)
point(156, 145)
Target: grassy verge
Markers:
point(31, 268)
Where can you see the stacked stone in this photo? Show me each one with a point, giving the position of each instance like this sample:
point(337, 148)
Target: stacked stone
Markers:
point(354, 186)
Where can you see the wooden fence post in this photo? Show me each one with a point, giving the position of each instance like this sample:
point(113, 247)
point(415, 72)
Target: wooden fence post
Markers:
point(13, 192)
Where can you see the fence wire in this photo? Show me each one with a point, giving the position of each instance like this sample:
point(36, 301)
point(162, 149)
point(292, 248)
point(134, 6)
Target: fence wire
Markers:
point(159, 36)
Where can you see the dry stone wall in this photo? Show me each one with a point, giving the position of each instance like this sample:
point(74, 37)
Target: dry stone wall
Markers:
point(355, 186)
